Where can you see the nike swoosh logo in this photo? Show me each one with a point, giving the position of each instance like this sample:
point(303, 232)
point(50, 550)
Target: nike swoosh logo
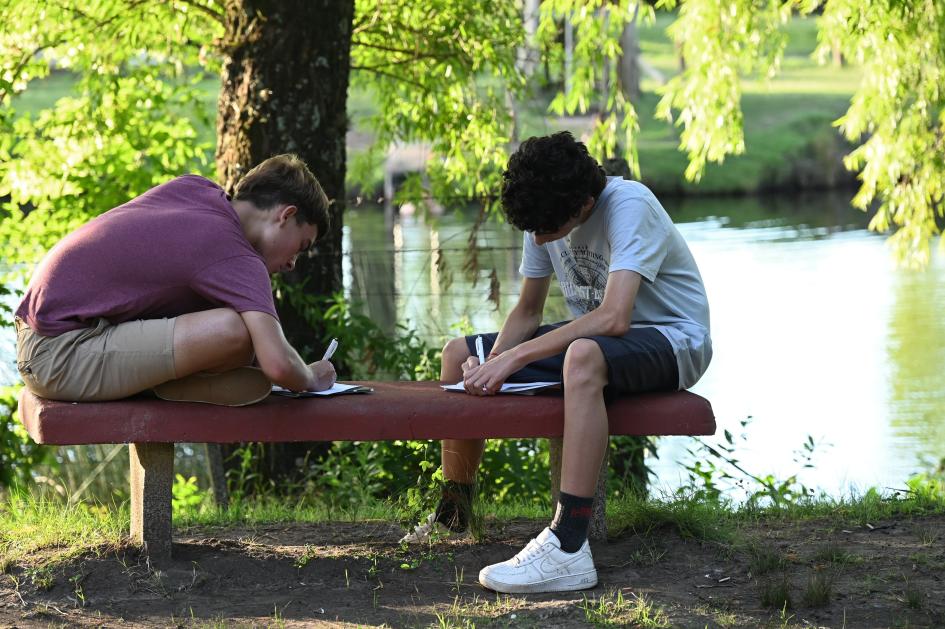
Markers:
point(547, 565)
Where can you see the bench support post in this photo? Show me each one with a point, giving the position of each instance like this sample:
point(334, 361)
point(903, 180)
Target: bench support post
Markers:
point(152, 472)
point(598, 530)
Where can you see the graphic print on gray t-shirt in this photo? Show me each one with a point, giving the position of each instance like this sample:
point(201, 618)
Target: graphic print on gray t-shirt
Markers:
point(628, 230)
point(586, 272)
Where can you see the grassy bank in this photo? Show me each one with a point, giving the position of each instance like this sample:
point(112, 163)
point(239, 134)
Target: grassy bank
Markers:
point(29, 523)
point(870, 560)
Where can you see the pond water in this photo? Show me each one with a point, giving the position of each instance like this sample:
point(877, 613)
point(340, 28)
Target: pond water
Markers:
point(816, 332)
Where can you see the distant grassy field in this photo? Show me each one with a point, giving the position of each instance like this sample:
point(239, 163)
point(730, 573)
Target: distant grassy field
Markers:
point(788, 120)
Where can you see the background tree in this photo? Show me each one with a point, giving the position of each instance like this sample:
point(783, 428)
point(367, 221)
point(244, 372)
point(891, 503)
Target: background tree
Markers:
point(899, 112)
point(284, 89)
point(135, 117)
point(443, 72)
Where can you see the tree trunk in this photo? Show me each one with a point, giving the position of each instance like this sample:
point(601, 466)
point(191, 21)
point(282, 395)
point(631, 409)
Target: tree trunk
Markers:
point(286, 65)
point(284, 90)
point(529, 54)
point(629, 64)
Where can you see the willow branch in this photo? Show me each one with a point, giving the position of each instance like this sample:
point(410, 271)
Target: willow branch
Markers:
point(391, 75)
point(215, 15)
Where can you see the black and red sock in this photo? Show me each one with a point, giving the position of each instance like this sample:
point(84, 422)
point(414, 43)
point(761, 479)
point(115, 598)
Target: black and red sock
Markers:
point(572, 520)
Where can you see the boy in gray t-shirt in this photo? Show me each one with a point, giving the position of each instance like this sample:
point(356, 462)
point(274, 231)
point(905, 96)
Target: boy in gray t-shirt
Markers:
point(641, 324)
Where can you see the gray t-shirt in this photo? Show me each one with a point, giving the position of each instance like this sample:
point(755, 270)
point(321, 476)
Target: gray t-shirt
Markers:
point(629, 230)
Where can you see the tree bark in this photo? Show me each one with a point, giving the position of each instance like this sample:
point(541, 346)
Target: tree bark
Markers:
point(286, 65)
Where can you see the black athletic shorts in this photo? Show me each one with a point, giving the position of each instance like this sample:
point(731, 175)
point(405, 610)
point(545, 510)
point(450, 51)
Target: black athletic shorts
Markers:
point(641, 360)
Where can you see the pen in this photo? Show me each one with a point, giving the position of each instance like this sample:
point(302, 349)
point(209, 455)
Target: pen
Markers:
point(331, 349)
point(482, 357)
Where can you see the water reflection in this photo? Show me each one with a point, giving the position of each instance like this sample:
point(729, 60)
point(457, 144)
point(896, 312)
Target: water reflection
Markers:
point(815, 330)
point(916, 355)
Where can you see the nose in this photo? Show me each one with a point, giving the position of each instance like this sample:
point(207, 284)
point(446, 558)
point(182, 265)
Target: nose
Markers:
point(290, 264)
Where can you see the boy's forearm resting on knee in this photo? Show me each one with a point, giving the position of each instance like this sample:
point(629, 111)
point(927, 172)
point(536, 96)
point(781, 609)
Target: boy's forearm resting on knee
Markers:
point(595, 323)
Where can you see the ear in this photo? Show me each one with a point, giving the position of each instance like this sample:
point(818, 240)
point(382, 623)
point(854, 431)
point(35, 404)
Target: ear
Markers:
point(287, 212)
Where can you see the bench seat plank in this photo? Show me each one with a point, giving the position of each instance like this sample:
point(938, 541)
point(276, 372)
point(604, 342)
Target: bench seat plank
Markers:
point(396, 410)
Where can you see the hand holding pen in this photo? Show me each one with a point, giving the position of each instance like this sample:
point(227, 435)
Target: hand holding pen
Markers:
point(330, 351)
point(323, 371)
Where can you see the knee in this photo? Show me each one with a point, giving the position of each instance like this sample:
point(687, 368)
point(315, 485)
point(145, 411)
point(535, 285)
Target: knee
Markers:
point(584, 366)
point(455, 352)
point(234, 335)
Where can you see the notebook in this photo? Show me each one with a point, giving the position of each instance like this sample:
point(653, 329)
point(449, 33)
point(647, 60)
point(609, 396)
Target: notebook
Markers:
point(339, 388)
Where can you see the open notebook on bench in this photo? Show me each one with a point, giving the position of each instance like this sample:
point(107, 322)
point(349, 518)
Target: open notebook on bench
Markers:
point(339, 388)
point(521, 388)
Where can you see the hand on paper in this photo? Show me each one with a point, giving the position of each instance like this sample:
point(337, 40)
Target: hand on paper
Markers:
point(323, 375)
point(487, 379)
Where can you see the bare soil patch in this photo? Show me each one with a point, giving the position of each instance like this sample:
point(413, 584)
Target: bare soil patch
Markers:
point(887, 574)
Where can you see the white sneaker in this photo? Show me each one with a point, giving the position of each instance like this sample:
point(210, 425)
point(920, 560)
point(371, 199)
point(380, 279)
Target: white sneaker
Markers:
point(430, 531)
point(542, 567)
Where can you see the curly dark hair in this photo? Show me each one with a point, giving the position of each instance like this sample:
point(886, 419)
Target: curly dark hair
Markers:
point(548, 181)
point(286, 179)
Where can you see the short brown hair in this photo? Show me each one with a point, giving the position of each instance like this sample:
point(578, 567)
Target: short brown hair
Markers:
point(286, 179)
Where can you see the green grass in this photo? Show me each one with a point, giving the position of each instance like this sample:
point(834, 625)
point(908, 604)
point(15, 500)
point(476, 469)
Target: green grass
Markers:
point(775, 593)
point(833, 553)
point(763, 559)
point(690, 518)
point(30, 524)
point(819, 589)
point(613, 610)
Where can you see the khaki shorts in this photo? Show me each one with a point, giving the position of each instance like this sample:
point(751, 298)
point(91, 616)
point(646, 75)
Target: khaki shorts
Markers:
point(105, 362)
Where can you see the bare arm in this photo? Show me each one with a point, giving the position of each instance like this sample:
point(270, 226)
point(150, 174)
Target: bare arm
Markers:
point(279, 360)
point(611, 318)
point(525, 316)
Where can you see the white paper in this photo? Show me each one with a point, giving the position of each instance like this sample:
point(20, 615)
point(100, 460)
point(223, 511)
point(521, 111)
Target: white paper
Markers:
point(337, 388)
point(508, 387)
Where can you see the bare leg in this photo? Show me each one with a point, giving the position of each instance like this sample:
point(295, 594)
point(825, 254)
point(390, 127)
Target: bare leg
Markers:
point(212, 340)
point(585, 418)
point(460, 457)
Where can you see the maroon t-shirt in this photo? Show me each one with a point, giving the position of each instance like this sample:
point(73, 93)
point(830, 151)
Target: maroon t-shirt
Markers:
point(177, 248)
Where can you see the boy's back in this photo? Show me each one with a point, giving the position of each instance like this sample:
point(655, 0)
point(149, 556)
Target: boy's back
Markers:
point(177, 248)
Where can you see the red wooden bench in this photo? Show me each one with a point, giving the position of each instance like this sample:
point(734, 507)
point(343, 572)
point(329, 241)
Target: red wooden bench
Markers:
point(396, 410)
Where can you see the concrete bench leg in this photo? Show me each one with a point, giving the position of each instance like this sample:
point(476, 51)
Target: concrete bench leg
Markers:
point(152, 473)
point(598, 530)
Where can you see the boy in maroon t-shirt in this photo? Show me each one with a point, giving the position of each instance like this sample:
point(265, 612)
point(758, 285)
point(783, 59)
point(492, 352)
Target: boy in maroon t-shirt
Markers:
point(171, 292)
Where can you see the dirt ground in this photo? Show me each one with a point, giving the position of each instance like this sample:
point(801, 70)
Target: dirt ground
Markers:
point(885, 574)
